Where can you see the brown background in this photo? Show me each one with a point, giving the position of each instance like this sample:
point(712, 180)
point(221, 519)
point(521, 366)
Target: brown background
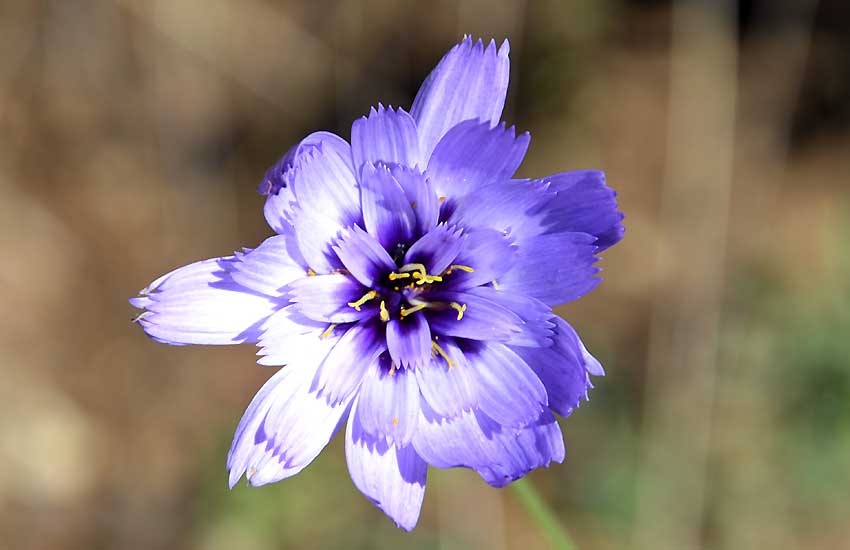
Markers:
point(133, 135)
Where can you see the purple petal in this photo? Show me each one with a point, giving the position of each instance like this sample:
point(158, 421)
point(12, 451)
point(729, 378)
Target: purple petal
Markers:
point(563, 368)
point(326, 298)
point(437, 249)
point(511, 207)
point(554, 268)
point(508, 390)
point(267, 268)
point(201, 304)
point(472, 155)
point(482, 319)
point(345, 366)
point(409, 341)
point(392, 478)
point(363, 256)
point(468, 83)
point(277, 184)
point(448, 390)
point(284, 429)
point(488, 252)
point(498, 453)
point(421, 195)
point(386, 136)
point(387, 213)
point(389, 404)
point(584, 204)
point(538, 320)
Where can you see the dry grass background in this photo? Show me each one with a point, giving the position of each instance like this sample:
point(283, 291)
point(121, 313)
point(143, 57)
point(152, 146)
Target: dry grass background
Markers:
point(133, 134)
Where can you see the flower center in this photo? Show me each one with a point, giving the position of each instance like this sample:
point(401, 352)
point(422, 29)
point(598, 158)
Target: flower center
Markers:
point(405, 292)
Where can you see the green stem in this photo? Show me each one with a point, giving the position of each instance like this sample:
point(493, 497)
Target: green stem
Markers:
point(542, 514)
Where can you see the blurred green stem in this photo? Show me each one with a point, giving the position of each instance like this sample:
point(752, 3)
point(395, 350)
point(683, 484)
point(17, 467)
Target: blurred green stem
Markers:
point(542, 514)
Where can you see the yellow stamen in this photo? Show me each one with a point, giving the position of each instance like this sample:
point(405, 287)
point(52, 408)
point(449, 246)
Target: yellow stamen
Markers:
point(460, 267)
point(327, 332)
point(311, 273)
point(394, 276)
point(436, 347)
point(365, 298)
point(414, 309)
point(392, 369)
point(414, 267)
point(495, 285)
point(385, 315)
point(460, 308)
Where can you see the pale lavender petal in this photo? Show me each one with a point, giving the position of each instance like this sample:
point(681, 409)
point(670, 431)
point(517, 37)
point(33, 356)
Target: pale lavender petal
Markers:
point(326, 298)
point(387, 213)
point(363, 256)
point(554, 268)
point(472, 155)
point(498, 453)
point(387, 136)
point(267, 268)
point(201, 304)
point(345, 366)
point(284, 429)
point(328, 199)
point(392, 477)
point(470, 82)
point(409, 341)
point(315, 237)
point(389, 403)
point(448, 389)
point(290, 338)
point(277, 184)
point(508, 390)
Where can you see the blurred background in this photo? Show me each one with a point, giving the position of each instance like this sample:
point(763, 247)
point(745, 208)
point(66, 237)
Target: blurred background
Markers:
point(133, 136)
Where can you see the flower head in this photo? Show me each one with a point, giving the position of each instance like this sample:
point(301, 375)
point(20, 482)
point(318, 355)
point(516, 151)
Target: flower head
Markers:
point(408, 292)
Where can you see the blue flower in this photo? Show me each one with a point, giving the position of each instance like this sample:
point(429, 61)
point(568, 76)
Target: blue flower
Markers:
point(408, 292)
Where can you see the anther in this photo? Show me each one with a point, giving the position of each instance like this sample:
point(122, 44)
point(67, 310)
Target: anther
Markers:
point(460, 267)
point(385, 315)
point(395, 276)
point(311, 273)
point(495, 285)
point(327, 331)
point(414, 267)
point(366, 297)
point(460, 308)
point(442, 353)
point(405, 312)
